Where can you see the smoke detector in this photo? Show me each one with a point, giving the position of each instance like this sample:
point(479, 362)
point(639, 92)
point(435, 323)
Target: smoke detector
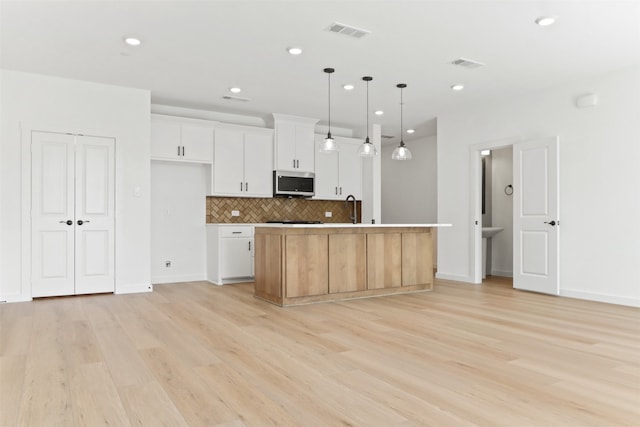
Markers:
point(348, 30)
point(467, 63)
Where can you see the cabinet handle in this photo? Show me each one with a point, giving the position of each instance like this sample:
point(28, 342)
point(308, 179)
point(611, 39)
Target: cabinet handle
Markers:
point(341, 191)
point(336, 191)
point(236, 232)
point(183, 151)
point(249, 245)
point(246, 186)
point(178, 150)
point(240, 186)
point(298, 163)
point(294, 163)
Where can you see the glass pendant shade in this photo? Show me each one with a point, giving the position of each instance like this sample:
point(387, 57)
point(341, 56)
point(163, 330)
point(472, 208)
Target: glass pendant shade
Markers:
point(329, 145)
point(367, 149)
point(401, 152)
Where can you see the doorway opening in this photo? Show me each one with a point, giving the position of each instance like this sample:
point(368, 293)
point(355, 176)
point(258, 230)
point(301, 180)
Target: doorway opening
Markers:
point(535, 220)
point(492, 211)
point(497, 214)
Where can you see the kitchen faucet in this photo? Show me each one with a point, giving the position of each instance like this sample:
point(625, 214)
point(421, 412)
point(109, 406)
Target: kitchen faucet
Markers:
point(354, 216)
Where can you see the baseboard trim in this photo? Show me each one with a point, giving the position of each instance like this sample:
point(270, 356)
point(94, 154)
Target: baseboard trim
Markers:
point(454, 277)
point(593, 296)
point(502, 273)
point(14, 298)
point(137, 288)
point(178, 278)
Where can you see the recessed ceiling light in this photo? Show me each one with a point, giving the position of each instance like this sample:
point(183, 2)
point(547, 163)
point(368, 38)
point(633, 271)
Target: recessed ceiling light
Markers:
point(132, 41)
point(294, 50)
point(457, 86)
point(545, 21)
point(378, 112)
point(348, 87)
point(410, 131)
point(485, 152)
point(235, 90)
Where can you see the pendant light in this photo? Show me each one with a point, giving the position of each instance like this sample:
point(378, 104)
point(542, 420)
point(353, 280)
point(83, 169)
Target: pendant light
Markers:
point(329, 145)
point(367, 149)
point(401, 152)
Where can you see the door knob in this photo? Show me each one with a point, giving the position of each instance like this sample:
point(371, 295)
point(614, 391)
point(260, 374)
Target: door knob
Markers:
point(552, 223)
point(68, 222)
point(80, 222)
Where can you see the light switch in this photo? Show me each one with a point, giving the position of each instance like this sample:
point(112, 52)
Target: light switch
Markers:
point(328, 214)
point(235, 213)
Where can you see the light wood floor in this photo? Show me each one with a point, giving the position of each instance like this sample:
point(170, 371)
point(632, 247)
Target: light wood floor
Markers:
point(200, 355)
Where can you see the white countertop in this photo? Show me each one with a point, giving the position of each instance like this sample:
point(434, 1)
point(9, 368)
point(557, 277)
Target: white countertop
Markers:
point(348, 225)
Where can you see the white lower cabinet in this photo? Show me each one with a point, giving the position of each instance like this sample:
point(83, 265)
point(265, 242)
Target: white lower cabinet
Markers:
point(229, 253)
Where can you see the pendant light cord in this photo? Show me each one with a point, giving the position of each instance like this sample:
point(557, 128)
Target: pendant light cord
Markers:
point(401, 123)
point(367, 111)
point(329, 74)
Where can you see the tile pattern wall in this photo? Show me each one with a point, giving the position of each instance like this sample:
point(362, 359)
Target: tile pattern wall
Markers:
point(263, 210)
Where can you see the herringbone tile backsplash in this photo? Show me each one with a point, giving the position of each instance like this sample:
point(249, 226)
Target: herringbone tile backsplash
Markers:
point(274, 209)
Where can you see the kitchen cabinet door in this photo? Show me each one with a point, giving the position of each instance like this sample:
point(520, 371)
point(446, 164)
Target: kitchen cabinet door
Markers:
point(258, 158)
point(307, 267)
point(417, 258)
point(305, 148)
point(236, 257)
point(295, 148)
point(197, 143)
point(350, 171)
point(326, 180)
point(347, 262)
point(285, 146)
point(228, 171)
point(165, 140)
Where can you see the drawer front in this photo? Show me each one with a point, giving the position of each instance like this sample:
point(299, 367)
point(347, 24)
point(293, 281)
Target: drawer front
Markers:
point(236, 231)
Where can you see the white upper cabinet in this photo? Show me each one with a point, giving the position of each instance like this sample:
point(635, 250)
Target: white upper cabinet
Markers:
point(294, 143)
point(181, 139)
point(242, 162)
point(338, 174)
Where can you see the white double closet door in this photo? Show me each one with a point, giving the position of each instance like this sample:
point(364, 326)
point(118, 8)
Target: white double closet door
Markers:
point(72, 214)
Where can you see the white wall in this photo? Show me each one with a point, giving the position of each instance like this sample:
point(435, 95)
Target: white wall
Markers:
point(599, 201)
point(44, 102)
point(409, 187)
point(501, 212)
point(178, 206)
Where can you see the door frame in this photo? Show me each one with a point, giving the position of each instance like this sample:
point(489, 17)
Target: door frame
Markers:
point(475, 193)
point(26, 129)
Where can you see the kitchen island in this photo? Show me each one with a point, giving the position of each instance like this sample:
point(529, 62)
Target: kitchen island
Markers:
point(303, 263)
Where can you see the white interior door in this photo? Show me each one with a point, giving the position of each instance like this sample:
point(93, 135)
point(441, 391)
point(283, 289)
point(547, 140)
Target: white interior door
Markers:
point(535, 216)
point(52, 214)
point(72, 214)
point(95, 215)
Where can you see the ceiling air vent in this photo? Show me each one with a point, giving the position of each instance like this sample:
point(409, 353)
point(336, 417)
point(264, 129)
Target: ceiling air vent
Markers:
point(235, 98)
point(467, 63)
point(348, 30)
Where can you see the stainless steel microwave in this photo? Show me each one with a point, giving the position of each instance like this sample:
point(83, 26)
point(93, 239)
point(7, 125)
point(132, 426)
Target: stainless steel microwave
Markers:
point(293, 184)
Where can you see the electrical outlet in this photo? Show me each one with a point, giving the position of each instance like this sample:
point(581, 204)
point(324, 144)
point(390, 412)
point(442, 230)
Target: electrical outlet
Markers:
point(235, 213)
point(328, 214)
point(167, 264)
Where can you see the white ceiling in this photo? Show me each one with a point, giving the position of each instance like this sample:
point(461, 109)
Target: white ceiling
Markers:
point(193, 52)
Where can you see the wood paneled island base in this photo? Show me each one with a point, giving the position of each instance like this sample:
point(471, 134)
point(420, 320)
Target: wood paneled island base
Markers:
point(301, 264)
